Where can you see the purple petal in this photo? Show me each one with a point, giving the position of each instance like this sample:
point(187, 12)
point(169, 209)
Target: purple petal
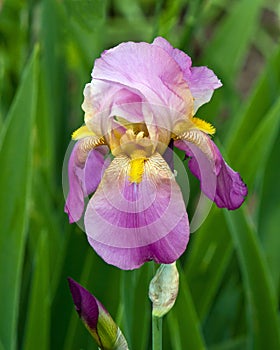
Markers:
point(128, 223)
point(165, 251)
point(201, 80)
point(218, 181)
point(84, 177)
point(94, 167)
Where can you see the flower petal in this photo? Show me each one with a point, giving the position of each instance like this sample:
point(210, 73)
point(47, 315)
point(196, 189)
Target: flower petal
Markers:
point(84, 174)
point(184, 61)
point(145, 68)
point(201, 80)
point(104, 100)
point(128, 223)
point(134, 81)
point(218, 181)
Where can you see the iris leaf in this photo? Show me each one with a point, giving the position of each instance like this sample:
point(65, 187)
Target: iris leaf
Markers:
point(15, 185)
point(38, 323)
point(227, 50)
point(259, 144)
point(260, 295)
point(183, 322)
point(209, 256)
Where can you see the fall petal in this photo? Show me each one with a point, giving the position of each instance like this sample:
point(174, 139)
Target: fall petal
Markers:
point(84, 174)
point(218, 181)
point(130, 223)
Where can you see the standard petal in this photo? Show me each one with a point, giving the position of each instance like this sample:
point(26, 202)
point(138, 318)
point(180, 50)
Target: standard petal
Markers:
point(128, 223)
point(201, 80)
point(218, 181)
point(146, 68)
point(84, 175)
point(184, 61)
point(139, 79)
point(104, 100)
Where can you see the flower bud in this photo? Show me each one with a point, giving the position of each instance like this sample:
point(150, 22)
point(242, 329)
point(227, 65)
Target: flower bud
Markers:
point(96, 318)
point(164, 289)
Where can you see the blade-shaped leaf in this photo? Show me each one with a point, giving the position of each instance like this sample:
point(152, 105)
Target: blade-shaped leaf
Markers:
point(183, 322)
point(232, 38)
point(38, 323)
point(15, 179)
point(208, 258)
point(260, 143)
point(261, 298)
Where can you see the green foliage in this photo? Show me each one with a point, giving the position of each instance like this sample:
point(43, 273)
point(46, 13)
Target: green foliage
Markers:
point(229, 275)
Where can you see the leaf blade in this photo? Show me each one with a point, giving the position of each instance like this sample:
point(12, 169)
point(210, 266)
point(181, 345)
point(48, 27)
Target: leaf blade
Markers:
point(15, 188)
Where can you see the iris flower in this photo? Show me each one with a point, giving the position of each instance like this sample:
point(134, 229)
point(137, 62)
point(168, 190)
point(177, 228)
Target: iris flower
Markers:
point(141, 99)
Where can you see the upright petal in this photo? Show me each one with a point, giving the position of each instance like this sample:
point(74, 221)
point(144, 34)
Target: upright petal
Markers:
point(148, 69)
point(184, 61)
point(130, 223)
point(84, 173)
point(135, 80)
point(218, 181)
point(201, 80)
point(104, 100)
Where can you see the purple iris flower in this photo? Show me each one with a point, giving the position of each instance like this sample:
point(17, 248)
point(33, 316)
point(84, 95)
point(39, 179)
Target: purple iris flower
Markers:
point(142, 97)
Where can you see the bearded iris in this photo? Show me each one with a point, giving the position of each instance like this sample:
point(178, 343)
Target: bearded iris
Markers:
point(143, 97)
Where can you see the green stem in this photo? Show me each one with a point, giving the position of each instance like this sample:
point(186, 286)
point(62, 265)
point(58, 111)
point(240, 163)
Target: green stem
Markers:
point(157, 332)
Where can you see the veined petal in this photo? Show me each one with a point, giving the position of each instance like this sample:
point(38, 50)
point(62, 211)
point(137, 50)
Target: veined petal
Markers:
point(85, 168)
point(130, 223)
point(145, 68)
point(135, 80)
point(184, 61)
point(218, 181)
point(104, 100)
point(201, 80)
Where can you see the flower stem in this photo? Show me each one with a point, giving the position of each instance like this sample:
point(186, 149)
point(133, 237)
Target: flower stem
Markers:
point(157, 332)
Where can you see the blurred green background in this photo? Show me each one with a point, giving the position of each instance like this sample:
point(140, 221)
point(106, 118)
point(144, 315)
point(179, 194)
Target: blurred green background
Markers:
point(230, 273)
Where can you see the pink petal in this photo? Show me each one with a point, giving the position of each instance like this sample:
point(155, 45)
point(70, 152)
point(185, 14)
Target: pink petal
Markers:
point(201, 80)
point(128, 223)
point(105, 100)
point(184, 61)
point(134, 80)
point(218, 181)
point(84, 177)
point(145, 68)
